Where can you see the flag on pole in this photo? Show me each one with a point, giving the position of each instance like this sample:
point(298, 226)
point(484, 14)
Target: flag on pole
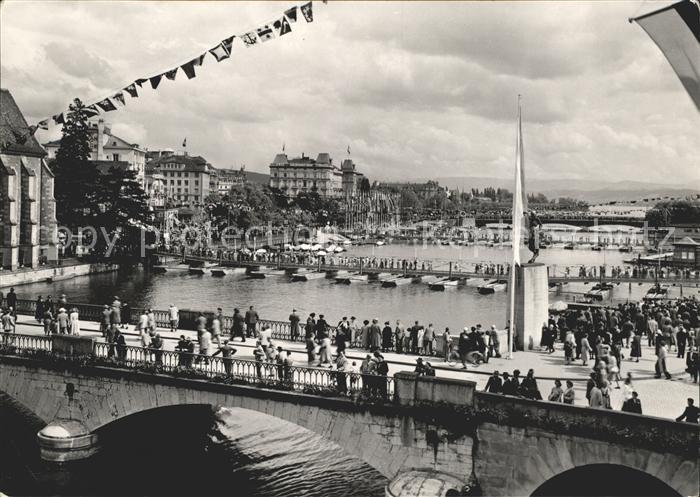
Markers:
point(676, 31)
point(348, 149)
point(184, 143)
point(283, 146)
point(518, 212)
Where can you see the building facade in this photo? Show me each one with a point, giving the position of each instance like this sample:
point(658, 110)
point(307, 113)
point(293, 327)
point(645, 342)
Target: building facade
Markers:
point(105, 146)
point(304, 175)
point(27, 204)
point(228, 178)
point(182, 180)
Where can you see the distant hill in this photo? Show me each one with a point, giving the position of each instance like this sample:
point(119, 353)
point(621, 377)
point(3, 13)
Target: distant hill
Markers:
point(259, 178)
point(588, 190)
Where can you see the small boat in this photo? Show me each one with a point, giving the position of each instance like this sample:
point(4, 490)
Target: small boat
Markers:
point(379, 243)
point(493, 286)
point(352, 278)
point(220, 271)
point(625, 248)
point(657, 292)
point(308, 276)
point(164, 268)
point(262, 273)
point(597, 248)
point(397, 281)
point(569, 246)
point(445, 283)
point(598, 292)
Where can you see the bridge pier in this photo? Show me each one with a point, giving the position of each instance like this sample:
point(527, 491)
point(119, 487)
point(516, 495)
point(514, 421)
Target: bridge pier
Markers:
point(65, 440)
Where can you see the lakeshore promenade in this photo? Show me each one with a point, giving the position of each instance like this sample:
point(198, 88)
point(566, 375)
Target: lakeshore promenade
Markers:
point(660, 397)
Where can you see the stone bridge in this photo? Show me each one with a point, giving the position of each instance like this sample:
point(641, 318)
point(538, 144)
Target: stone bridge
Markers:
point(495, 445)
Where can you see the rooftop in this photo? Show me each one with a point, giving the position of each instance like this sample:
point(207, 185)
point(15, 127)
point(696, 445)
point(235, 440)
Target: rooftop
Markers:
point(191, 163)
point(15, 136)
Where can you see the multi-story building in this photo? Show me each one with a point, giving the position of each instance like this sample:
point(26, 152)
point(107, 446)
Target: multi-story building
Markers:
point(105, 146)
point(27, 204)
point(228, 178)
point(186, 180)
point(304, 174)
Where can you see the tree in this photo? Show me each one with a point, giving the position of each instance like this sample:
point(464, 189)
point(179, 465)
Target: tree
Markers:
point(75, 186)
point(674, 212)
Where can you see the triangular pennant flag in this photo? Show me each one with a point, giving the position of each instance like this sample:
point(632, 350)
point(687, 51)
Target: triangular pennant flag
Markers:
point(155, 81)
point(219, 52)
point(171, 74)
point(141, 81)
point(222, 50)
point(91, 110)
point(291, 14)
point(282, 26)
point(131, 90)
point(188, 68)
point(228, 44)
point(59, 119)
point(107, 105)
point(43, 124)
point(307, 11)
point(249, 39)
point(119, 97)
point(265, 33)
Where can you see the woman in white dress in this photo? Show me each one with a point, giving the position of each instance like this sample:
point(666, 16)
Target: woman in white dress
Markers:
point(74, 322)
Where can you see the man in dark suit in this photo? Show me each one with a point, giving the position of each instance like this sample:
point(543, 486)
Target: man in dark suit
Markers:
point(690, 414)
point(494, 385)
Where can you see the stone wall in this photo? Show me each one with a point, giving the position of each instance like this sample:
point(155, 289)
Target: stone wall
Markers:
point(55, 273)
point(516, 460)
point(381, 436)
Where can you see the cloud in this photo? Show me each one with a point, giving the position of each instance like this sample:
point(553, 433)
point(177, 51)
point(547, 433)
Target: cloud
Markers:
point(416, 88)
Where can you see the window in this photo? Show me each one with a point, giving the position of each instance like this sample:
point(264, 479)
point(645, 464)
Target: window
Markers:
point(116, 157)
point(179, 174)
point(196, 182)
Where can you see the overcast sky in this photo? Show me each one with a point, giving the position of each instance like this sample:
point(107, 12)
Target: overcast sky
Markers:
point(416, 89)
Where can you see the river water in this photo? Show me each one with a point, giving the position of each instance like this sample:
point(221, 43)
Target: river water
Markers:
point(276, 296)
point(188, 450)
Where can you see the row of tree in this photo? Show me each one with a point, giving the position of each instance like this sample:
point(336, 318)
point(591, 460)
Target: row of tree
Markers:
point(111, 201)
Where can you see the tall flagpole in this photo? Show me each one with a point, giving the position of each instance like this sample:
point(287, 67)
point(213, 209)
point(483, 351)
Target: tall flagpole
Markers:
point(517, 214)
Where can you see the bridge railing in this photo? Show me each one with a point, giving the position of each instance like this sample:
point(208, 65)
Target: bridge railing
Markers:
point(265, 374)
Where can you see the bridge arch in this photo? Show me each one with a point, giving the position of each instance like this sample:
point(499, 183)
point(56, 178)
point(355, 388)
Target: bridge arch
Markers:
point(381, 436)
point(604, 479)
point(539, 457)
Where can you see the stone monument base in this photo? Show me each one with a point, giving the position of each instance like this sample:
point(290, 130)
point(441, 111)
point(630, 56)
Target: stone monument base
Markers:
point(531, 304)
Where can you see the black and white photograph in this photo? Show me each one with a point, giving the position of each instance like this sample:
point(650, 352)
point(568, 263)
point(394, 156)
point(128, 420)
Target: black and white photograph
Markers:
point(349, 248)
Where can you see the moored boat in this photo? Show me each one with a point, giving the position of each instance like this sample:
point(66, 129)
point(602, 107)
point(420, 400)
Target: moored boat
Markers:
point(493, 286)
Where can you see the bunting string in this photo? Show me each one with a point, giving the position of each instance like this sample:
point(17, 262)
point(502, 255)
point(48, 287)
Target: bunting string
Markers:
point(220, 52)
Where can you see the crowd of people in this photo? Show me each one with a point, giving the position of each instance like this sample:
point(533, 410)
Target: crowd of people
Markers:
point(599, 336)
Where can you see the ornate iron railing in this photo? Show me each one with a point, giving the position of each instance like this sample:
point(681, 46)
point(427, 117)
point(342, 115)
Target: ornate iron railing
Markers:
point(265, 374)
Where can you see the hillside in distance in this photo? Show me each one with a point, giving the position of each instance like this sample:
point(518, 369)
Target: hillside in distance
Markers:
point(588, 190)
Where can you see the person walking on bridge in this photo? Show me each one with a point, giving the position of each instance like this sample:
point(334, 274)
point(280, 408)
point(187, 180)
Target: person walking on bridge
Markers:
point(237, 329)
point(294, 325)
point(251, 321)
